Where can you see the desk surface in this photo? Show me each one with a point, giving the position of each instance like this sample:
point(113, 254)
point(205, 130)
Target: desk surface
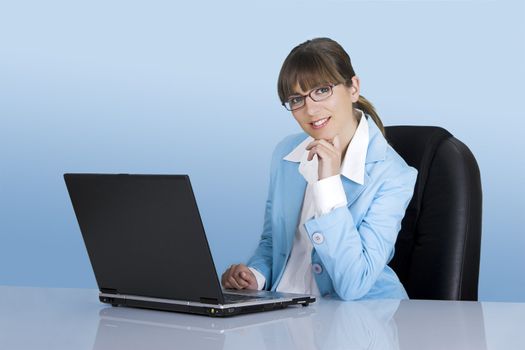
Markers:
point(46, 318)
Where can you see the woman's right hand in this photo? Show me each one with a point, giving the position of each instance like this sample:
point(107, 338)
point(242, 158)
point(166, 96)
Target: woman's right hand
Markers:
point(239, 277)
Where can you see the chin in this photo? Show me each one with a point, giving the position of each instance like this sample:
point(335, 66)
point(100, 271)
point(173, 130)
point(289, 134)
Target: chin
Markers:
point(321, 134)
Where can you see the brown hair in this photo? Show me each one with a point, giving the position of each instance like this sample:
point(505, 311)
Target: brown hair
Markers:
point(316, 62)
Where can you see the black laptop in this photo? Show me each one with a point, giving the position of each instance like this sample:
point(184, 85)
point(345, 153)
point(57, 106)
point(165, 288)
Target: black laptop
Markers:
point(148, 249)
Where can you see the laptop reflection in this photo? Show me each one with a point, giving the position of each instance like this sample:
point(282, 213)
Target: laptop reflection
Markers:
point(329, 325)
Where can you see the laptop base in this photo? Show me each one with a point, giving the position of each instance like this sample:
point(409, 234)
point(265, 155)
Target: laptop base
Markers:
point(198, 308)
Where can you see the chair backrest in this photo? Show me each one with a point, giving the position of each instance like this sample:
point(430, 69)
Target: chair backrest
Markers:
point(438, 248)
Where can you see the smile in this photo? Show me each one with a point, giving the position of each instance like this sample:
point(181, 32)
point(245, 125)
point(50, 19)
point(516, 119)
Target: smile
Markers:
point(318, 124)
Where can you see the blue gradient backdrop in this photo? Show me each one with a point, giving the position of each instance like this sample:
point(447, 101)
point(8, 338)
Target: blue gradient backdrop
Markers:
point(190, 87)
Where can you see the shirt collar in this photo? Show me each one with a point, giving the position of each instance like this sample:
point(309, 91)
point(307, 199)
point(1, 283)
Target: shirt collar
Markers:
point(353, 165)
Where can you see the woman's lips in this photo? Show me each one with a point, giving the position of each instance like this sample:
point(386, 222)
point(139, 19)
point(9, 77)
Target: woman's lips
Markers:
point(318, 124)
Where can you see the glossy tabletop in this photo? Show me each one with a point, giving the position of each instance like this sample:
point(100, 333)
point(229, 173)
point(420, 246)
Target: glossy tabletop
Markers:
point(45, 318)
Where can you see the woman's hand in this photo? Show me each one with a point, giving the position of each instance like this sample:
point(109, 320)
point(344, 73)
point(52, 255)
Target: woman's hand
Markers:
point(328, 154)
point(239, 277)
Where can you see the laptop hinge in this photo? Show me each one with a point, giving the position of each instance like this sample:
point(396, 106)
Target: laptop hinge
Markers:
point(209, 300)
point(108, 290)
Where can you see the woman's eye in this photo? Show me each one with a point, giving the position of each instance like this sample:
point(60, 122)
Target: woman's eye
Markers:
point(296, 100)
point(322, 90)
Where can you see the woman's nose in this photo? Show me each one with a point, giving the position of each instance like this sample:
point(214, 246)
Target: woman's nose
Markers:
point(311, 107)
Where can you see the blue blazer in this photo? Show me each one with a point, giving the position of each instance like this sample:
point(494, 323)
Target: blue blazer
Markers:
point(352, 244)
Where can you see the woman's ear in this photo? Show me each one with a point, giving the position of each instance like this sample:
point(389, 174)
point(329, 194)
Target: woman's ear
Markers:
point(355, 89)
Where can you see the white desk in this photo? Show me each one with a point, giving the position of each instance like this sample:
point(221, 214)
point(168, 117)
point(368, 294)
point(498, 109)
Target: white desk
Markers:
point(45, 318)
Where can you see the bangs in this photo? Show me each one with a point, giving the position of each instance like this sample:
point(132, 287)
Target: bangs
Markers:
point(308, 69)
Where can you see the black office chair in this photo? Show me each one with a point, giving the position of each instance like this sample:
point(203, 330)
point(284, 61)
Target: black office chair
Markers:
point(438, 247)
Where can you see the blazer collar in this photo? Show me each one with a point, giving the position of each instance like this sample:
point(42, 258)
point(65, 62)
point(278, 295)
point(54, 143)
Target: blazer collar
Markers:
point(377, 146)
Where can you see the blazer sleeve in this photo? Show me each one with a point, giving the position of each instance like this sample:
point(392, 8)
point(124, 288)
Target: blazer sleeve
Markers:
point(355, 256)
point(262, 259)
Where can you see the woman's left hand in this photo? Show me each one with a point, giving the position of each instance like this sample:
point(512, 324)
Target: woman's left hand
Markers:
point(328, 154)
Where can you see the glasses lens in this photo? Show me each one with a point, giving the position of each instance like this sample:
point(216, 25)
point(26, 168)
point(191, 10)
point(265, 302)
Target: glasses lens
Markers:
point(321, 93)
point(294, 103)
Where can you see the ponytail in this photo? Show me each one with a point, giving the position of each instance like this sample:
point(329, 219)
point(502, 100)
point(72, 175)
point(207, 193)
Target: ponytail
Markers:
point(367, 107)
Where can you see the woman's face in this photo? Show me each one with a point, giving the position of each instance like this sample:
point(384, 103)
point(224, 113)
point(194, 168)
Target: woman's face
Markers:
point(327, 118)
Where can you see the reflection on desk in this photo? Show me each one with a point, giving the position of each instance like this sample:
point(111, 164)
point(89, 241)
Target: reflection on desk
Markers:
point(365, 325)
point(52, 318)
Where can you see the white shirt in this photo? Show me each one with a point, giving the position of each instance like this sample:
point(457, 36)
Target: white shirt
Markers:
point(321, 197)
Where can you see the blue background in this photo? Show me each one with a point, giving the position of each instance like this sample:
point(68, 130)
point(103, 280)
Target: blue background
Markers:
point(190, 87)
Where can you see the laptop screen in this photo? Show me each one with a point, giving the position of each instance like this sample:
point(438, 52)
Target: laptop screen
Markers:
point(144, 235)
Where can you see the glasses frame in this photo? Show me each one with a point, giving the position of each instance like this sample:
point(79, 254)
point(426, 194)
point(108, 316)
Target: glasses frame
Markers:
point(309, 94)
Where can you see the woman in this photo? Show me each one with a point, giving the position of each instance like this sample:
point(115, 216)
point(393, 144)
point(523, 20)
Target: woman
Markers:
point(337, 194)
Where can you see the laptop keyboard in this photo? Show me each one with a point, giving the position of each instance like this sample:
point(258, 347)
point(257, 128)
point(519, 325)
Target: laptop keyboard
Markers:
point(237, 298)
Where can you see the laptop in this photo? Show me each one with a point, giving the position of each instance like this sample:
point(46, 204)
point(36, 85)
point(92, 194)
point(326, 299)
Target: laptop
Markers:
point(148, 249)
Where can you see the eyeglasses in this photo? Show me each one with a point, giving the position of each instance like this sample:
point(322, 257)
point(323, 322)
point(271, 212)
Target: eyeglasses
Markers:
point(318, 94)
